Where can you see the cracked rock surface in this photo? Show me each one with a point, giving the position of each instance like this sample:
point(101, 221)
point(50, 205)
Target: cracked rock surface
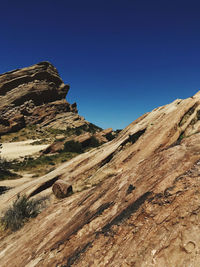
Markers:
point(136, 200)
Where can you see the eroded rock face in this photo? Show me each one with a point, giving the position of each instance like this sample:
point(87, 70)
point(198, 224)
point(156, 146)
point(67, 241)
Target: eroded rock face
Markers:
point(136, 200)
point(35, 95)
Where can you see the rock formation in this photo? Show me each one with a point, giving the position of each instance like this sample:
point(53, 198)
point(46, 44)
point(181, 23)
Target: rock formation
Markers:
point(35, 95)
point(62, 189)
point(136, 200)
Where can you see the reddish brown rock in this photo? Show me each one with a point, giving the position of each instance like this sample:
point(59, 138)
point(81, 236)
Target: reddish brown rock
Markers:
point(102, 136)
point(62, 189)
point(54, 148)
point(107, 131)
point(83, 139)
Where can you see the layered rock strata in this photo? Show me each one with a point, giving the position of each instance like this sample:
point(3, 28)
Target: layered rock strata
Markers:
point(35, 95)
point(136, 200)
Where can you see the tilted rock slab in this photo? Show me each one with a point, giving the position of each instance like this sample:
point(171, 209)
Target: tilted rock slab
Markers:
point(136, 200)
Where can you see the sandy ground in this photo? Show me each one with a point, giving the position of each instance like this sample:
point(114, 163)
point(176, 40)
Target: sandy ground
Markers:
point(15, 150)
point(16, 182)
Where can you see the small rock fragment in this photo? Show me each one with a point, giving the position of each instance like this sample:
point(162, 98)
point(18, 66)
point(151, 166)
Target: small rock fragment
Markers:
point(62, 189)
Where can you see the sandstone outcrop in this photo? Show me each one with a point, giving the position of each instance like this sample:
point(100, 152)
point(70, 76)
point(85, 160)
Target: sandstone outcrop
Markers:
point(85, 140)
point(136, 200)
point(35, 95)
point(54, 148)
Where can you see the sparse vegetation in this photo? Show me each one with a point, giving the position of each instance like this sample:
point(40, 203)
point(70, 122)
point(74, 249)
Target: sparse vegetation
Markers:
point(42, 164)
point(4, 189)
point(21, 211)
point(73, 146)
point(46, 134)
point(6, 174)
point(4, 169)
point(187, 115)
point(91, 128)
point(110, 136)
point(93, 142)
point(118, 131)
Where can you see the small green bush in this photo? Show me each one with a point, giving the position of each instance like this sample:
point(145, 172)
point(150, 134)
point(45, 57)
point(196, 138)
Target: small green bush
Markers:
point(5, 172)
point(77, 131)
point(91, 128)
point(73, 146)
point(109, 136)
point(94, 142)
point(21, 211)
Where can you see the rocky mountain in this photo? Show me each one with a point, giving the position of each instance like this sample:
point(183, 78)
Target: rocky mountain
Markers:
point(135, 201)
point(35, 96)
point(35, 116)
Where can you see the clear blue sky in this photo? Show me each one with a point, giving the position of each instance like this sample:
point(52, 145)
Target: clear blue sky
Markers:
point(121, 58)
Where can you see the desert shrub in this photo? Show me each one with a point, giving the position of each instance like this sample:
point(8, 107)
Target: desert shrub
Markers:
point(198, 115)
point(40, 165)
point(94, 142)
point(109, 136)
point(91, 128)
point(4, 189)
point(54, 131)
point(29, 163)
point(73, 146)
point(6, 174)
point(77, 131)
point(15, 138)
point(4, 170)
point(21, 211)
point(118, 131)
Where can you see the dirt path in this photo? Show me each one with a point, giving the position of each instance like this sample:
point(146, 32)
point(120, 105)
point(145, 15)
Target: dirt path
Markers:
point(16, 182)
point(15, 150)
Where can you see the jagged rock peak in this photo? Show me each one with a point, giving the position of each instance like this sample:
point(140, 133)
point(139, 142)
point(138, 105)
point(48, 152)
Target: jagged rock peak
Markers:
point(32, 95)
point(42, 64)
point(43, 73)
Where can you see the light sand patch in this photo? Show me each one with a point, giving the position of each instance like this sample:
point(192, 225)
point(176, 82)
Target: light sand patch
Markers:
point(16, 182)
point(15, 150)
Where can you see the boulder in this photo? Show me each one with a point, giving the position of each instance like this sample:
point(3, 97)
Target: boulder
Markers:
point(84, 139)
point(54, 148)
point(62, 189)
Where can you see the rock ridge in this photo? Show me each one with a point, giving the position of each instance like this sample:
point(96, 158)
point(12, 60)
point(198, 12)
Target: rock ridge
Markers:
point(135, 199)
point(32, 95)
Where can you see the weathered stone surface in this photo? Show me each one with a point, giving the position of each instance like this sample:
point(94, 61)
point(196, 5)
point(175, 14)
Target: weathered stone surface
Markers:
point(35, 95)
point(102, 135)
point(136, 200)
point(17, 122)
point(40, 83)
point(54, 148)
point(62, 189)
point(83, 138)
